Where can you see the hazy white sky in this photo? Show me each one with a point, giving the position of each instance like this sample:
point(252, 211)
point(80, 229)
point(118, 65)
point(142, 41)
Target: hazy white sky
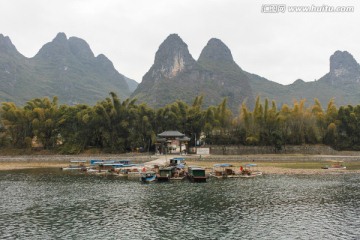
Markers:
point(279, 46)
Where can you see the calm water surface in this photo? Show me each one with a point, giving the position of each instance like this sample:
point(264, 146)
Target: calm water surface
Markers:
point(50, 204)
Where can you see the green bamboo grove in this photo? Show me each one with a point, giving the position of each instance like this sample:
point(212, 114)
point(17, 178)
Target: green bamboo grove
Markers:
point(119, 126)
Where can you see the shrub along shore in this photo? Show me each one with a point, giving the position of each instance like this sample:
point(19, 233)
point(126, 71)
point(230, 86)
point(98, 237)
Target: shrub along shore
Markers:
point(267, 163)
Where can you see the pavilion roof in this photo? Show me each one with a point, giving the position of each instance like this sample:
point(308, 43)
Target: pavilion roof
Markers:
point(171, 134)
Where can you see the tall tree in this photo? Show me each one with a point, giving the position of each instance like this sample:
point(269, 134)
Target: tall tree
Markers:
point(18, 124)
point(45, 117)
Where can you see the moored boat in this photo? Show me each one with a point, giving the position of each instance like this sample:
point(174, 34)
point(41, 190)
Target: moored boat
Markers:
point(336, 165)
point(148, 176)
point(180, 173)
point(78, 165)
point(111, 167)
point(171, 173)
point(177, 161)
point(166, 173)
point(248, 172)
point(196, 174)
point(112, 163)
point(222, 170)
point(133, 174)
point(250, 175)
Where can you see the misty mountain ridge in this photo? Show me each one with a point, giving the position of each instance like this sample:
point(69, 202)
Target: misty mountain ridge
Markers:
point(67, 68)
point(64, 67)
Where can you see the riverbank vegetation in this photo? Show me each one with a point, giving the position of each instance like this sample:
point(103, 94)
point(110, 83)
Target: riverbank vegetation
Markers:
point(116, 126)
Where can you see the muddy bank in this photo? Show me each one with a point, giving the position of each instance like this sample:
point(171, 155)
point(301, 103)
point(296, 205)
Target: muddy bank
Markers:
point(46, 161)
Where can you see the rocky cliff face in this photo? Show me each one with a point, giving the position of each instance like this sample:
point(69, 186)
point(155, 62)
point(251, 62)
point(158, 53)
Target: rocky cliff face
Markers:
point(343, 69)
point(64, 67)
point(164, 82)
point(172, 58)
point(175, 75)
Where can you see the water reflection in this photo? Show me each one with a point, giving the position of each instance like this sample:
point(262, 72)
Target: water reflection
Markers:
point(47, 204)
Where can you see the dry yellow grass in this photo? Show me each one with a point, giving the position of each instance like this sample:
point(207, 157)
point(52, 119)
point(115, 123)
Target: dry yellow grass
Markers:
point(285, 167)
point(35, 164)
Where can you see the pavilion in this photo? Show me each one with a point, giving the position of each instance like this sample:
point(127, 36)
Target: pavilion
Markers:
point(170, 142)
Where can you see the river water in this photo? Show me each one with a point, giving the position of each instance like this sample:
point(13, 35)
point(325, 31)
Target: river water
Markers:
point(50, 204)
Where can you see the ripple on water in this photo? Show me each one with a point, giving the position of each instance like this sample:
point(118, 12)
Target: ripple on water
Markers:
point(39, 204)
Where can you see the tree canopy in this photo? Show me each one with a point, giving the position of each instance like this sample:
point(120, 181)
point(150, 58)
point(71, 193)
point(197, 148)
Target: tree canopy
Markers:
point(113, 125)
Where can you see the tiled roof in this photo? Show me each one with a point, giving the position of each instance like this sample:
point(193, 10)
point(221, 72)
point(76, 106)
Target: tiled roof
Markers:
point(171, 134)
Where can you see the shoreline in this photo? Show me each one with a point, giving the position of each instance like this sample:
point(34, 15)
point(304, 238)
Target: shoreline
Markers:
point(268, 164)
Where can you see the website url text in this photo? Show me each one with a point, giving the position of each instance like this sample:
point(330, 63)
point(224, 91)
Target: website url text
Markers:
point(282, 8)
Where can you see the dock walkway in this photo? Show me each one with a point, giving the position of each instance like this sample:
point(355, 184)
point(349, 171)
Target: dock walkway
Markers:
point(161, 160)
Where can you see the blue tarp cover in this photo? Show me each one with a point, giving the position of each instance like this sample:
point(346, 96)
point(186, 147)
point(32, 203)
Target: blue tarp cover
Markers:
point(223, 165)
point(181, 166)
point(251, 165)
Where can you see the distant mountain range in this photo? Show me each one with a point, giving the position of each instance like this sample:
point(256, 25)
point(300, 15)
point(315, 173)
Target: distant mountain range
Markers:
point(67, 68)
point(176, 75)
point(64, 67)
point(342, 83)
